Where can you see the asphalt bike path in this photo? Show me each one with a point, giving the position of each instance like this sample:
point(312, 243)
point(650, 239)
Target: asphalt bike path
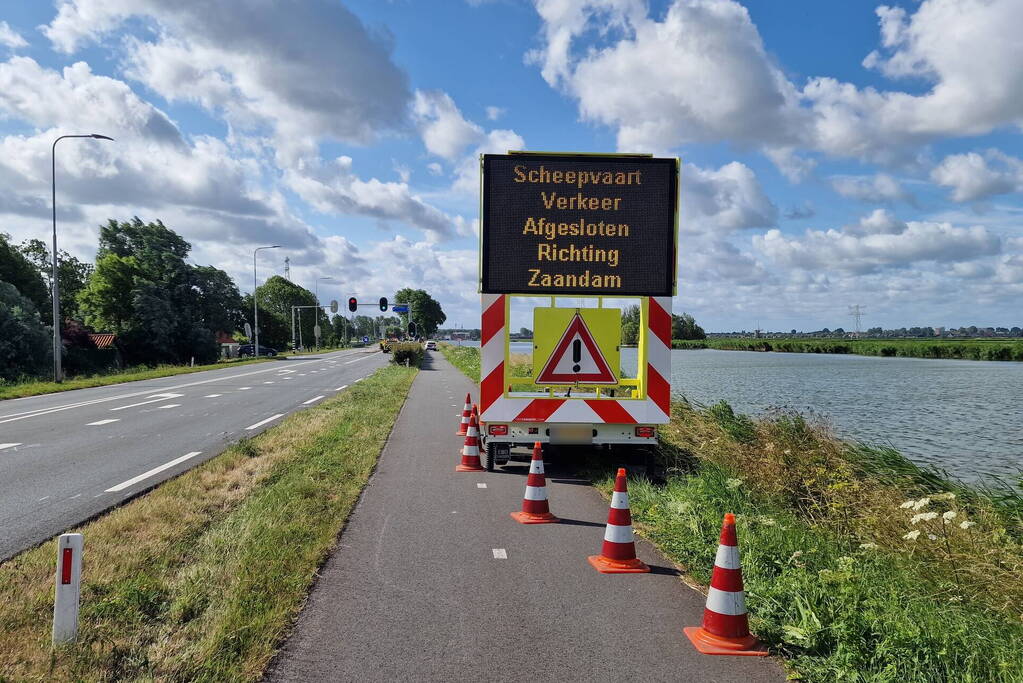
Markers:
point(432, 580)
point(68, 456)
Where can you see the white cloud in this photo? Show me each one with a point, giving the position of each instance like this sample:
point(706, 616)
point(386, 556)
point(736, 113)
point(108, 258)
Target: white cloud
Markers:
point(880, 187)
point(444, 130)
point(878, 242)
point(467, 174)
point(11, 38)
point(308, 70)
point(972, 176)
point(722, 200)
point(494, 113)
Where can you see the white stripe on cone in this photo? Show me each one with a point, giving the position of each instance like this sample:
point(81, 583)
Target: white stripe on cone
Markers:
point(470, 450)
point(727, 557)
point(620, 500)
point(726, 602)
point(536, 467)
point(618, 534)
point(536, 493)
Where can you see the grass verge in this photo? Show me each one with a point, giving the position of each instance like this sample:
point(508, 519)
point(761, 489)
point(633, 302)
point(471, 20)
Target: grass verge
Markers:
point(858, 565)
point(199, 579)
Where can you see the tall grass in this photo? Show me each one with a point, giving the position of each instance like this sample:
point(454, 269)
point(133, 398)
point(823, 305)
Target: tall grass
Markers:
point(199, 579)
point(1004, 350)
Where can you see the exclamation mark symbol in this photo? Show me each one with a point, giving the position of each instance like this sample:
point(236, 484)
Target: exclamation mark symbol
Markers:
point(577, 354)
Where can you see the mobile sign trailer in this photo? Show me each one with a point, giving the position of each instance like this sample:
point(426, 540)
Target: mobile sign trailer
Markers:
point(576, 228)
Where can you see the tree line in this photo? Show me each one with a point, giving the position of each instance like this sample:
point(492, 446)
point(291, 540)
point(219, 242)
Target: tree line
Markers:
point(161, 308)
point(683, 326)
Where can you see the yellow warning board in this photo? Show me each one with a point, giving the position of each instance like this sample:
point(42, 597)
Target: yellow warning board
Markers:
point(576, 346)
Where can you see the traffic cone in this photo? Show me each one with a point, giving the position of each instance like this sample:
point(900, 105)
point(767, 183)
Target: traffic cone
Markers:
point(471, 450)
point(466, 412)
point(725, 629)
point(534, 505)
point(618, 555)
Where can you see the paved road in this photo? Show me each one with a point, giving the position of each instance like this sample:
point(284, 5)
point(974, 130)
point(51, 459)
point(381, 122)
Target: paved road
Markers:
point(66, 457)
point(434, 581)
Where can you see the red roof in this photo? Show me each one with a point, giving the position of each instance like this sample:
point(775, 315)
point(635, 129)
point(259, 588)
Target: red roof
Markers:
point(225, 338)
point(103, 341)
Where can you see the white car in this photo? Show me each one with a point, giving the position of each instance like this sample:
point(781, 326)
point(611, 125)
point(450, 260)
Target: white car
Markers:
point(431, 345)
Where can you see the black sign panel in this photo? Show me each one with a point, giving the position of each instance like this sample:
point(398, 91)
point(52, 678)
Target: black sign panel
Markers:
point(576, 224)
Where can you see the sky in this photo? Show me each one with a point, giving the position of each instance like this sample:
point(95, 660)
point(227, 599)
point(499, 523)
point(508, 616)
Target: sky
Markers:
point(833, 153)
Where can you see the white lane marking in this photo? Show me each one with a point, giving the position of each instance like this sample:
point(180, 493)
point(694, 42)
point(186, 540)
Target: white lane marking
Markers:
point(267, 382)
point(481, 485)
point(301, 374)
point(360, 379)
point(156, 398)
point(263, 422)
point(244, 388)
point(169, 405)
point(38, 412)
point(97, 423)
point(212, 395)
point(9, 445)
point(349, 362)
point(42, 499)
point(500, 554)
point(342, 387)
point(312, 400)
point(156, 470)
point(74, 496)
point(287, 378)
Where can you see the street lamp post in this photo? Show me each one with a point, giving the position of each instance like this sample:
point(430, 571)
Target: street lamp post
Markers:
point(54, 287)
point(255, 306)
point(316, 289)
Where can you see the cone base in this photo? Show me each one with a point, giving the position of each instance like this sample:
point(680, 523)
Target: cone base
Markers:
point(469, 468)
point(709, 644)
point(534, 518)
point(606, 565)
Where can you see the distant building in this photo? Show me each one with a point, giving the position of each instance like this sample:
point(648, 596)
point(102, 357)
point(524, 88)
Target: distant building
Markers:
point(939, 331)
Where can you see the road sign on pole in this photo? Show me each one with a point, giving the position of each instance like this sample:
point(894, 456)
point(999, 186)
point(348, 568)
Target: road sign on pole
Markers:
point(399, 308)
point(333, 306)
point(248, 331)
point(365, 340)
point(316, 331)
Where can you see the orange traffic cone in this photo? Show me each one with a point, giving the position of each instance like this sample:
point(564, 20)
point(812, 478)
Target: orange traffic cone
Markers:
point(534, 505)
point(725, 629)
point(471, 450)
point(466, 412)
point(618, 555)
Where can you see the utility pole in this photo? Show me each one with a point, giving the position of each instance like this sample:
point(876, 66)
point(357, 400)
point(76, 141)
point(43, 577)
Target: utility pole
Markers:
point(255, 307)
point(856, 312)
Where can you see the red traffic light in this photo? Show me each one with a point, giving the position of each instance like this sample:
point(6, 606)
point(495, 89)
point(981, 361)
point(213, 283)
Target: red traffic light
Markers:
point(383, 303)
point(353, 305)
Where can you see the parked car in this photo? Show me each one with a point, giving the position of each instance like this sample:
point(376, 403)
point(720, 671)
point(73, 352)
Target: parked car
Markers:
point(248, 350)
point(431, 345)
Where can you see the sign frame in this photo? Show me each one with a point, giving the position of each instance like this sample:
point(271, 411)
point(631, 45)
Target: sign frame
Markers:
point(671, 276)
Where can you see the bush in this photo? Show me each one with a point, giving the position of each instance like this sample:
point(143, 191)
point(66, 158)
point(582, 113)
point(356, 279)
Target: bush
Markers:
point(407, 352)
point(24, 340)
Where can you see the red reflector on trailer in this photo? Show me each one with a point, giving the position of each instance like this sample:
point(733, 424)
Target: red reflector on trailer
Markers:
point(65, 566)
point(646, 432)
point(498, 430)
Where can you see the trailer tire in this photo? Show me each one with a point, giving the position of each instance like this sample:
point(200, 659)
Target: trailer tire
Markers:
point(488, 457)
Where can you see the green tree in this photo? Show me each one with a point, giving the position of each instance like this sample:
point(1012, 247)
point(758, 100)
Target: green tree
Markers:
point(425, 311)
point(630, 325)
point(72, 275)
point(276, 296)
point(24, 340)
point(21, 273)
point(217, 299)
point(684, 327)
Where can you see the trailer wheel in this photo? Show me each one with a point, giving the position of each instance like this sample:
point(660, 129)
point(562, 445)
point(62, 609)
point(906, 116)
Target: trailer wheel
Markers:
point(488, 457)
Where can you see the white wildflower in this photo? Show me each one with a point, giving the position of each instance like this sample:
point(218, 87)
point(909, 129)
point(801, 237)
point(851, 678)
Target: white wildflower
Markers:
point(921, 503)
point(733, 483)
point(908, 504)
point(868, 546)
point(966, 524)
point(932, 537)
point(949, 516)
point(923, 517)
point(911, 536)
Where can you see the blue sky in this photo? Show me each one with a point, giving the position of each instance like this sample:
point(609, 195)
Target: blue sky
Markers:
point(834, 153)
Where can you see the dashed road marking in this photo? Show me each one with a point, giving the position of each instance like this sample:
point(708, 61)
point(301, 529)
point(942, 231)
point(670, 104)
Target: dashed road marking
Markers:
point(8, 445)
point(500, 554)
point(156, 470)
point(212, 395)
point(169, 405)
point(481, 485)
point(267, 382)
point(97, 423)
point(156, 398)
point(244, 388)
point(312, 400)
point(263, 422)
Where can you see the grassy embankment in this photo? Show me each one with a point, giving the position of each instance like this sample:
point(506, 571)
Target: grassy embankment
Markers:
point(858, 565)
point(200, 578)
point(970, 349)
point(37, 387)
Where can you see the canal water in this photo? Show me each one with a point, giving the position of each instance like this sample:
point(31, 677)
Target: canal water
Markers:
point(963, 416)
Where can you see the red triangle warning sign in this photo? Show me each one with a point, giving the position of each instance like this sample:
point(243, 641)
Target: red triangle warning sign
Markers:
point(577, 359)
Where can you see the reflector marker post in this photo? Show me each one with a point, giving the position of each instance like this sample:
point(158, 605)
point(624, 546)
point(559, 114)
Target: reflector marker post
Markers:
point(68, 588)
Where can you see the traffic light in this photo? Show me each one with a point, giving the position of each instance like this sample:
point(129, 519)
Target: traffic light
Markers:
point(353, 305)
point(383, 303)
point(412, 329)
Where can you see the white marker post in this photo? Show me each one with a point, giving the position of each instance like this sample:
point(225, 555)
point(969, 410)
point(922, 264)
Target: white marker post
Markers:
point(69, 586)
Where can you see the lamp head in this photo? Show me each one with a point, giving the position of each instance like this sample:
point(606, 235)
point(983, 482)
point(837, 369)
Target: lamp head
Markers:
point(101, 137)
